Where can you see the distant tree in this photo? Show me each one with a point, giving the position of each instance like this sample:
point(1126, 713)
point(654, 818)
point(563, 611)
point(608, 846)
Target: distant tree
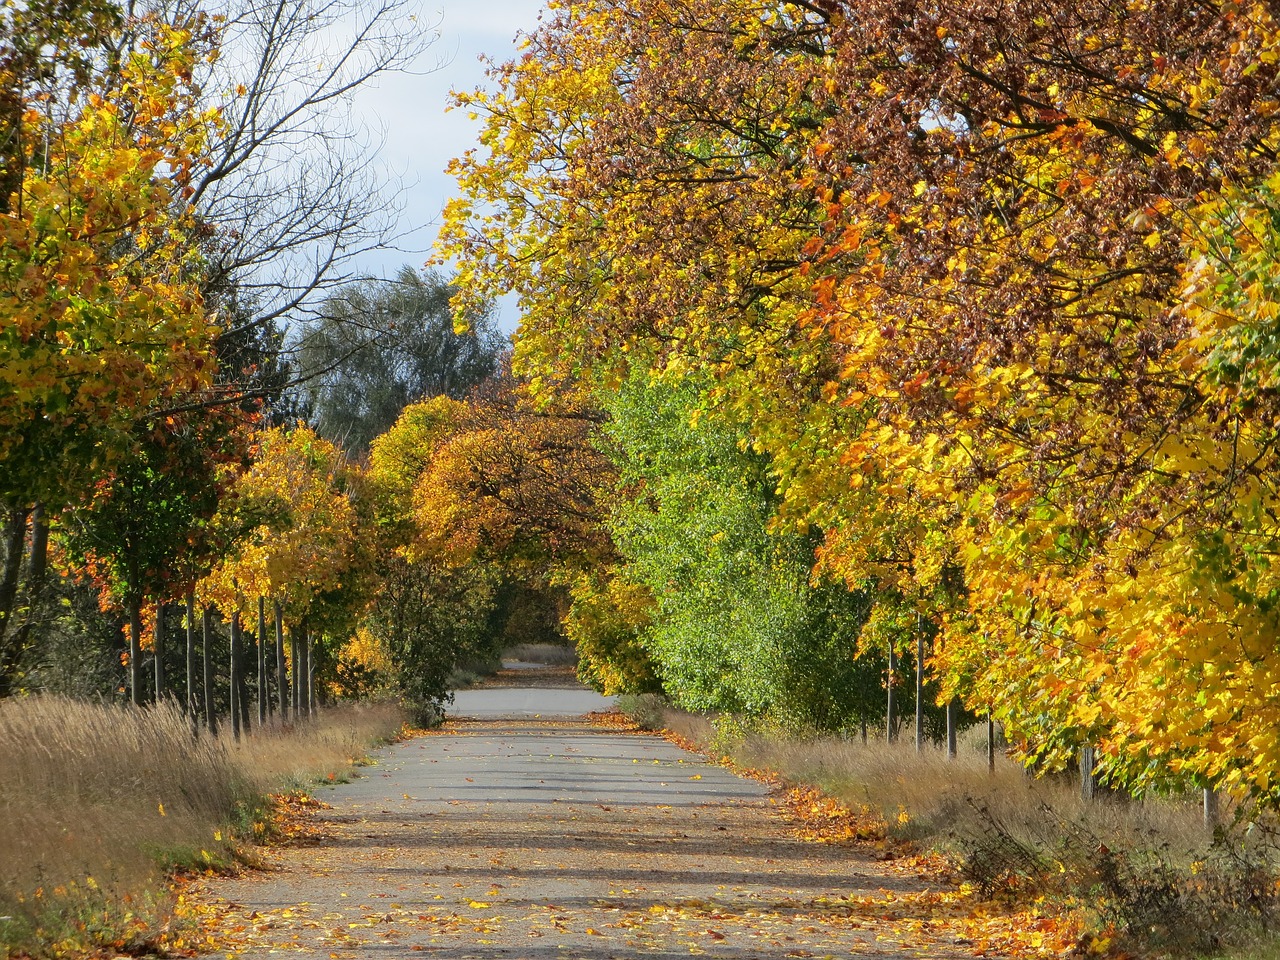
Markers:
point(378, 346)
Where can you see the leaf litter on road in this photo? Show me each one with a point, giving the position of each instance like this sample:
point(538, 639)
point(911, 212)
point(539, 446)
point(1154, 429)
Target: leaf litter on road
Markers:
point(870, 896)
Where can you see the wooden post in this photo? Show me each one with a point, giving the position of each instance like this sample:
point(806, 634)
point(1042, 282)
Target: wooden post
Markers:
point(953, 719)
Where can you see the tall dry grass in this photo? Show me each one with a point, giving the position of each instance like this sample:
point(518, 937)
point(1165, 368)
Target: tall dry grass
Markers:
point(98, 801)
point(1149, 868)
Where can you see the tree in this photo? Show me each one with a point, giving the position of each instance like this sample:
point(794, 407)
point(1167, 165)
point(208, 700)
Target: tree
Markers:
point(294, 533)
point(376, 347)
point(981, 280)
point(429, 614)
point(99, 318)
point(288, 191)
point(147, 533)
point(738, 625)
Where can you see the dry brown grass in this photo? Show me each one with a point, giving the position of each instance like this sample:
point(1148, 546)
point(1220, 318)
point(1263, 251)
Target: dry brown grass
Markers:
point(1149, 869)
point(98, 801)
point(925, 794)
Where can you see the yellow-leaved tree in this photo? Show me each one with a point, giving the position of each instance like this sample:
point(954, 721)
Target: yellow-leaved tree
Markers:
point(100, 311)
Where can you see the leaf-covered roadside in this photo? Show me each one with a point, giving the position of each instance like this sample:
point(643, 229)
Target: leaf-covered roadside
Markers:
point(1028, 861)
point(877, 904)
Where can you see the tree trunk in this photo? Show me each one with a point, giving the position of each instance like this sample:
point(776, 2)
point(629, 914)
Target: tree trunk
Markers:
point(891, 710)
point(311, 677)
point(37, 567)
point(191, 653)
point(282, 673)
point(991, 742)
point(1210, 808)
point(159, 651)
point(135, 652)
point(264, 685)
point(1088, 786)
point(919, 683)
point(295, 650)
point(206, 656)
point(15, 542)
point(953, 720)
point(243, 696)
point(235, 674)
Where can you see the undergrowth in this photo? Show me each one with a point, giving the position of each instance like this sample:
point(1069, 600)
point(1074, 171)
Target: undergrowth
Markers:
point(1149, 870)
point(99, 804)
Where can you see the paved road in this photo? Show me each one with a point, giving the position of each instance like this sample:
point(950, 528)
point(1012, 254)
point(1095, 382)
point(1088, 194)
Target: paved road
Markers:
point(540, 839)
point(558, 695)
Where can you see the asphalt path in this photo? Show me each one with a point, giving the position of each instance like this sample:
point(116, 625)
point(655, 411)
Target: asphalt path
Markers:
point(519, 830)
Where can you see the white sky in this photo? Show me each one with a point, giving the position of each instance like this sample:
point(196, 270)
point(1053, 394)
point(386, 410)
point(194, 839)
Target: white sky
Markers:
point(419, 137)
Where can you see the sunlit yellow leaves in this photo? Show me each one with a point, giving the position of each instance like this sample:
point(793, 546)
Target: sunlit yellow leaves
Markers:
point(296, 525)
point(92, 331)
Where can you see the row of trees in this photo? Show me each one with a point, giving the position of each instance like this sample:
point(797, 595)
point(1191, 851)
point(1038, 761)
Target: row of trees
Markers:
point(177, 186)
point(967, 312)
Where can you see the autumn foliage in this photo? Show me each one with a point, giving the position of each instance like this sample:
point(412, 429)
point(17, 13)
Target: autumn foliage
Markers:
point(992, 284)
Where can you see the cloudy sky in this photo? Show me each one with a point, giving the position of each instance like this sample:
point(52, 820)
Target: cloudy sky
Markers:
point(419, 136)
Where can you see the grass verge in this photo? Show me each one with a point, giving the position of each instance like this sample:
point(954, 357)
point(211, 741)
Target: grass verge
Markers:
point(100, 804)
point(1148, 876)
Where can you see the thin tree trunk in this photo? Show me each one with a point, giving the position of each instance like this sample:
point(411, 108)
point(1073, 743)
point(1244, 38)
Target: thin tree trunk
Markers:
point(991, 741)
point(282, 673)
point(135, 652)
point(264, 685)
point(159, 651)
point(1088, 785)
point(311, 677)
point(15, 542)
point(919, 683)
point(38, 563)
point(295, 650)
point(235, 674)
point(191, 652)
point(891, 710)
point(243, 697)
point(37, 567)
point(1210, 808)
point(206, 656)
point(953, 719)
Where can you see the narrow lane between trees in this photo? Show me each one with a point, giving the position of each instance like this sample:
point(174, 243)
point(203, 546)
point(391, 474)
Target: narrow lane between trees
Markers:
point(537, 835)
